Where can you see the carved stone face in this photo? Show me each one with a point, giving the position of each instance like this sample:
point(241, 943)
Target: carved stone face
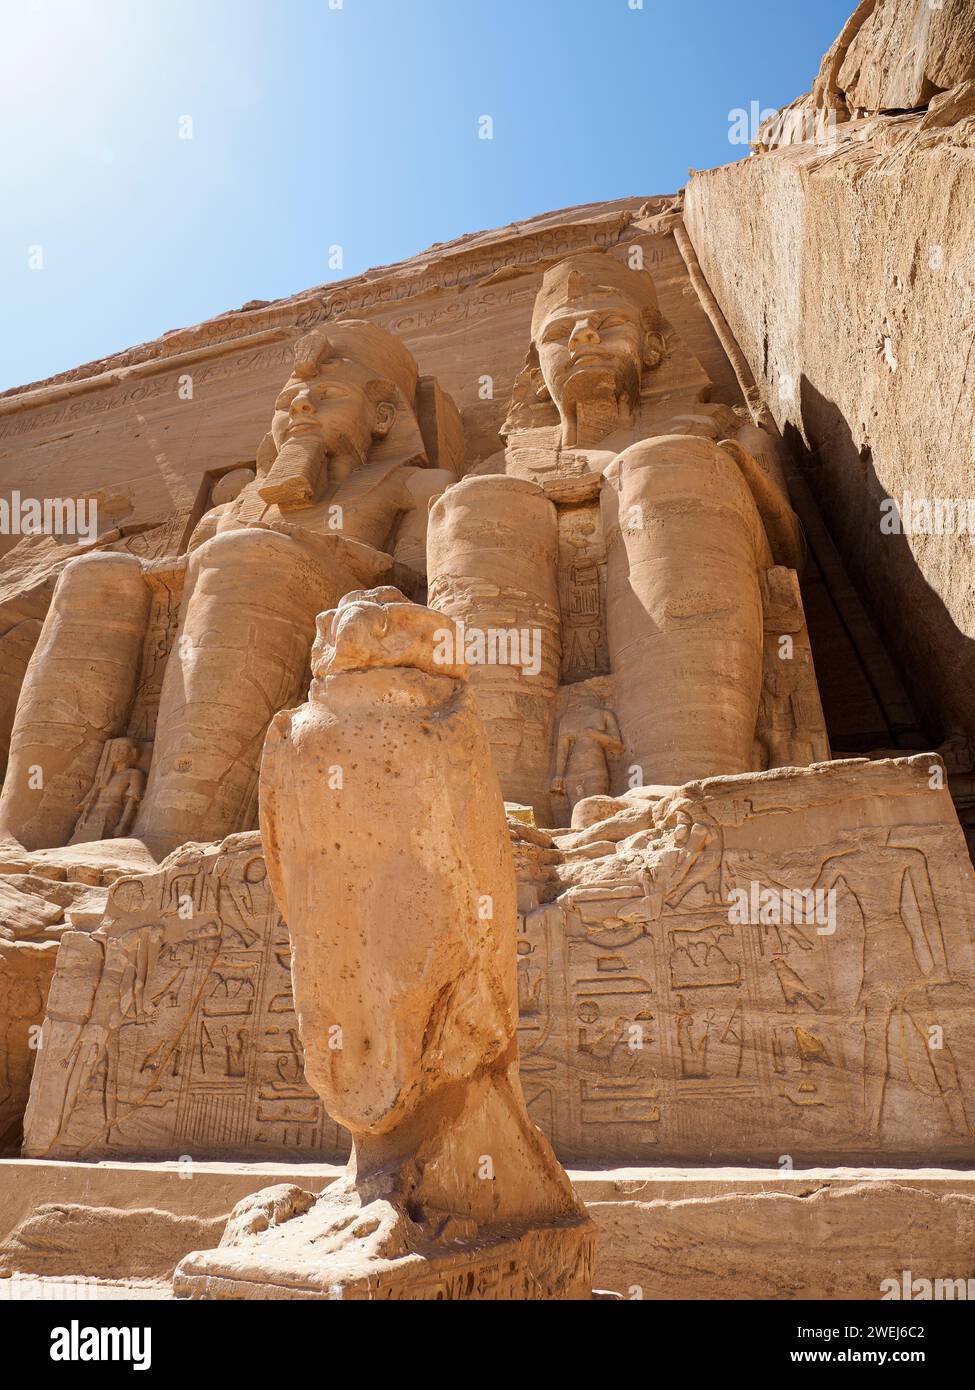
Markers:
point(592, 330)
point(591, 344)
point(124, 754)
point(343, 404)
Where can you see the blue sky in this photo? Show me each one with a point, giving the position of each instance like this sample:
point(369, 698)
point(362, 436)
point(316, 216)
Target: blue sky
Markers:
point(355, 126)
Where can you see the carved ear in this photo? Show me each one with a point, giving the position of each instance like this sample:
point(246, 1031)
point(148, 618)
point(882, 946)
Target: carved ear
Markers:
point(383, 396)
point(530, 399)
point(538, 386)
point(531, 373)
point(385, 416)
point(529, 385)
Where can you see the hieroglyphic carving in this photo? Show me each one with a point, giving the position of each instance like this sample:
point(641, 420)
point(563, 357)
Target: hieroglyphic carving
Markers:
point(164, 383)
point(661, 1021)
point(653, 1027)
point(905, 970)
point(582, 591)
point(171, 1029)
point(451, 270)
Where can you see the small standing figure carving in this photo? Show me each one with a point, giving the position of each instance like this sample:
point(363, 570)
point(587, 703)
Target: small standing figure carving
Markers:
point(108, 810)
point(588, 741)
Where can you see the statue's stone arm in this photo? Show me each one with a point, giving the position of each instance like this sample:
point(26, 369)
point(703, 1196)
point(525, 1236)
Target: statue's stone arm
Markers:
point(423, 487)
point(781, 524)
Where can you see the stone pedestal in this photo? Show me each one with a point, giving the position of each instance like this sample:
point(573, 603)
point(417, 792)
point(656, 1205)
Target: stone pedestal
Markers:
point(390, 1256)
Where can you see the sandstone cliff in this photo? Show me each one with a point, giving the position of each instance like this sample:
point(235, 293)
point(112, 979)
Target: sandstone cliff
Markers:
point(841, 255)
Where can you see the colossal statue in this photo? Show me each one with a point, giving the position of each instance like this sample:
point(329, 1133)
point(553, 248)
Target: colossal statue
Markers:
point(405, 990)
point(658, 514)
point(196, 655)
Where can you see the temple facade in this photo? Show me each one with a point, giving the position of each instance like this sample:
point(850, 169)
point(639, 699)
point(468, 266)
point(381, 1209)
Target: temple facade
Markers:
point(560, 637)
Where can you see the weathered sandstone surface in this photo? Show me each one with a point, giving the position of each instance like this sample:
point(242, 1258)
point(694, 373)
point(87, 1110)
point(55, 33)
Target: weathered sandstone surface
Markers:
point(844, 266)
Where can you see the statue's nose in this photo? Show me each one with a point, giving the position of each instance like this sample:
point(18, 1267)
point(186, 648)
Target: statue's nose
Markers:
point(301, 405)
point(584, 334)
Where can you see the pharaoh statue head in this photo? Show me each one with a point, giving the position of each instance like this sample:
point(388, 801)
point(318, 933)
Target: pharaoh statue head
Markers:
point(595, 693)
point(595, 330)
point(352, 384)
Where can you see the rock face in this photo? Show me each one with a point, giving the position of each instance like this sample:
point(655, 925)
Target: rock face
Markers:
point(896, 55)
point(105, 1242)
point(663, 1233)
point(25, 977)
point(410, 1035)
point(850, 293)
point(821, 1235)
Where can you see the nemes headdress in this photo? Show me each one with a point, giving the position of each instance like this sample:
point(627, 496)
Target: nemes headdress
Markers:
point(358, 341)
point(574, 278)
